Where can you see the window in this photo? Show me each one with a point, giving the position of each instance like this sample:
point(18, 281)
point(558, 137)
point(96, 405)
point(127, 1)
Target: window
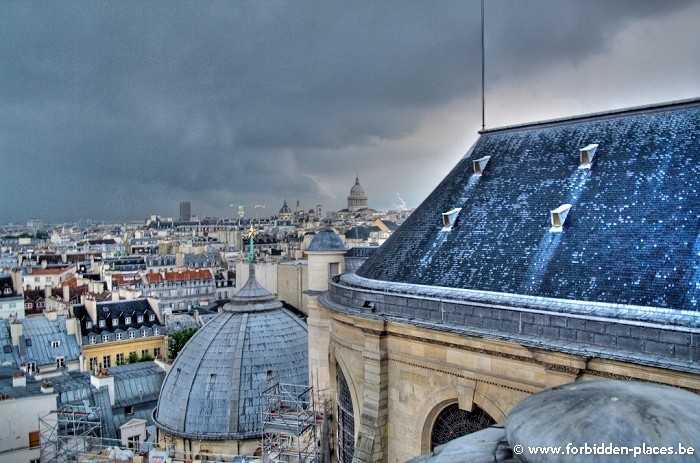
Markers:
point(333, 268)
point(151, 317)
point(156, 352)
point(105, 338)
point(28, 342)
point(129, 410)
point(7, 291)
point(119, 336)
point(55, 344)
point(144, 352)
point(132, 335)
point(60, 362)
point(127, 320)
point(120, 358)
point(88, 324)
point(93, 339)
point(139, 319)
point(133, 442)
point(115, 321)
point(28, 305)
point(93, 363)
point(155, 331)
point(30, 367)
point(144, 333)
point(7, 349)
point(40, 304)
point(101, 323)
point(34, 440)
point(107, 361)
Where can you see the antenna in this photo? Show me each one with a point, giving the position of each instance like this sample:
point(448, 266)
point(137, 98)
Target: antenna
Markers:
point(483, 104)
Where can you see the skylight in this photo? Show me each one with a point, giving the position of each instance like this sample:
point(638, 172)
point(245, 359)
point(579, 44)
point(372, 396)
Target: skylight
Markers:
point(586, 156)
point(558, 217)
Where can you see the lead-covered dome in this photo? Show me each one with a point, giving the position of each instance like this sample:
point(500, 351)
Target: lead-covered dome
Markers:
point(326, 240)
point(213, 390)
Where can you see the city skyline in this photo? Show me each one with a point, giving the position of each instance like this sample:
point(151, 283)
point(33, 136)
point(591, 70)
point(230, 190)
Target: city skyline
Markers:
point(116, 111)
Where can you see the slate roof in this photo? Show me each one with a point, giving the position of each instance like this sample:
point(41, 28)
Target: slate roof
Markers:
point(116, 310)
point(632, 235)
point(36, 344)
point(213, 390)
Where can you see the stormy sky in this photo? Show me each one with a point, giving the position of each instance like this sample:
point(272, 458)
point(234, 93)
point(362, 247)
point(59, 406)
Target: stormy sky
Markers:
point(116, 110)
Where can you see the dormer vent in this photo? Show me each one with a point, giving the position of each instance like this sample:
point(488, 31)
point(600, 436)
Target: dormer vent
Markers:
point(480, 164)
point(586, 155)
point(449, 218)
point(559, 217)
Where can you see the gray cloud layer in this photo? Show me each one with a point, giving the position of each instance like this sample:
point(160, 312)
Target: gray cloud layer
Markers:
point(118, 110)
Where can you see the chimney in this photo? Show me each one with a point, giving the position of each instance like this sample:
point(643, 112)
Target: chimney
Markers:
point(15, 331)
point(103, 379)
point(91, 307)
point(19, 380)
point(66, 293)
point(47, 290)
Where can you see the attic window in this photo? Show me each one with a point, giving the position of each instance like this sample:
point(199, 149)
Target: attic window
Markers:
point(480, 164)
point(7, 349)
point(559, 217)
point(449, 218)
point(28, 342)
point(101, 323)
point(88, 324)
point(586, 156)
point(55, 343)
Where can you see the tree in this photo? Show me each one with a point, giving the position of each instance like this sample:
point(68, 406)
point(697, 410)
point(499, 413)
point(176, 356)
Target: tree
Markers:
point(178, 340)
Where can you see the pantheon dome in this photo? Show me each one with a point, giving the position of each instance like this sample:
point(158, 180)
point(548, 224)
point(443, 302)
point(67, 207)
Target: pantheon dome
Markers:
point(357, 199)
point(213, 391)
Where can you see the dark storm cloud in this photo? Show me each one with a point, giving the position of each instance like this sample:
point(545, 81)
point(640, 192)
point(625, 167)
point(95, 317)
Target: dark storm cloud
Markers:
point(121, 109)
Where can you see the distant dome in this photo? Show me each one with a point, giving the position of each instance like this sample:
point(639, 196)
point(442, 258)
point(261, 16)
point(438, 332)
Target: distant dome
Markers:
point(326, 240)
point(285, 208)
point(213, 390)
point(357, 199)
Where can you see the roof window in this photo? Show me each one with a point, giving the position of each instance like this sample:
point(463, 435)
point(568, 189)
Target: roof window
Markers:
point(449, 218)
point(558, 217)
point(586, 156)
point(480, 164)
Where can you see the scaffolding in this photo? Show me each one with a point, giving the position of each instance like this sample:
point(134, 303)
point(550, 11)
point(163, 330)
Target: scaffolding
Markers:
point(290, 424)
point(69, 433)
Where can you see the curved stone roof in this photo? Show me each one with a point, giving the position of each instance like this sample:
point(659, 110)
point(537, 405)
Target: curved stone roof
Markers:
point(213, 390)
point(326, 240)
point(630, 237)
point(600, 413)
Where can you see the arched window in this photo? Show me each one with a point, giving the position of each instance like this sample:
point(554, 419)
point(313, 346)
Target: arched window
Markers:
point(453, 422)
point(346, 420)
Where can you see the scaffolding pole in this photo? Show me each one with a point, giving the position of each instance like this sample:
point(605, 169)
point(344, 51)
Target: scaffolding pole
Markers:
point(69, 432)
point(291, 424)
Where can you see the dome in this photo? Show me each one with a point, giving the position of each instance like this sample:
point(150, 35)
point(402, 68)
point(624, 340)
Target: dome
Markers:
point(357, 191)
point(285, 208)
point(588, 413)
point(213, 390)
point(357, 199)
point(326, 240)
